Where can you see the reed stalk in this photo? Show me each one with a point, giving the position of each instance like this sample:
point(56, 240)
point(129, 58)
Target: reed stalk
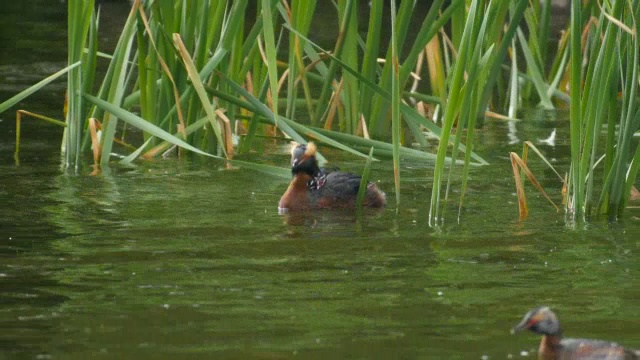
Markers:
point(80, 11)
point(207, 75)
point(613, 47)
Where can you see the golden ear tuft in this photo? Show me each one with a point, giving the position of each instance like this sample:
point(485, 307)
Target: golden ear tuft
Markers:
point(311, 149)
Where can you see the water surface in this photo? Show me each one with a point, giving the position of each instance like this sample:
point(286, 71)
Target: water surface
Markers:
point(180, 259)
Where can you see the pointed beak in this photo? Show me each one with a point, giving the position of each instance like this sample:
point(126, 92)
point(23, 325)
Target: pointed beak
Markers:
point(521, 326)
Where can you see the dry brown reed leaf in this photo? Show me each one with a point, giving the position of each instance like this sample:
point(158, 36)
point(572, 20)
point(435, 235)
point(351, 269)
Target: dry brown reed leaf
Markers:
point(19, 114)
point(163, 64)
point(496, 115)
point(522, 198)
point(228, 137)
point(517, 164)
point(362, 128)
point(617, 22)
point(334, 105)
point(283, 78)
point(96, 147)
point(435, 66)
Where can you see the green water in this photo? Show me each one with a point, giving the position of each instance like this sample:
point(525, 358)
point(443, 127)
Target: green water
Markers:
point(180, 259)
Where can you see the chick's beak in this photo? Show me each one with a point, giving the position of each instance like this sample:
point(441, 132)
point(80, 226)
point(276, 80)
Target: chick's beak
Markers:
point(521, 326)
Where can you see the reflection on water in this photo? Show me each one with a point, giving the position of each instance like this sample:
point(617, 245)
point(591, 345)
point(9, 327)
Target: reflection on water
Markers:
point(178, 259)
point(318, 219)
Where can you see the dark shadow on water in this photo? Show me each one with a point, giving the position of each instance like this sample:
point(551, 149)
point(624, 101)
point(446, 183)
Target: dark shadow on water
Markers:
point(331, 217)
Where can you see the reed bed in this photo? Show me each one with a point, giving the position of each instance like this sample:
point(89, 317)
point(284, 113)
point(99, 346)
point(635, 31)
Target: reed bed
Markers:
point(211, 78)
point(604, 107)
